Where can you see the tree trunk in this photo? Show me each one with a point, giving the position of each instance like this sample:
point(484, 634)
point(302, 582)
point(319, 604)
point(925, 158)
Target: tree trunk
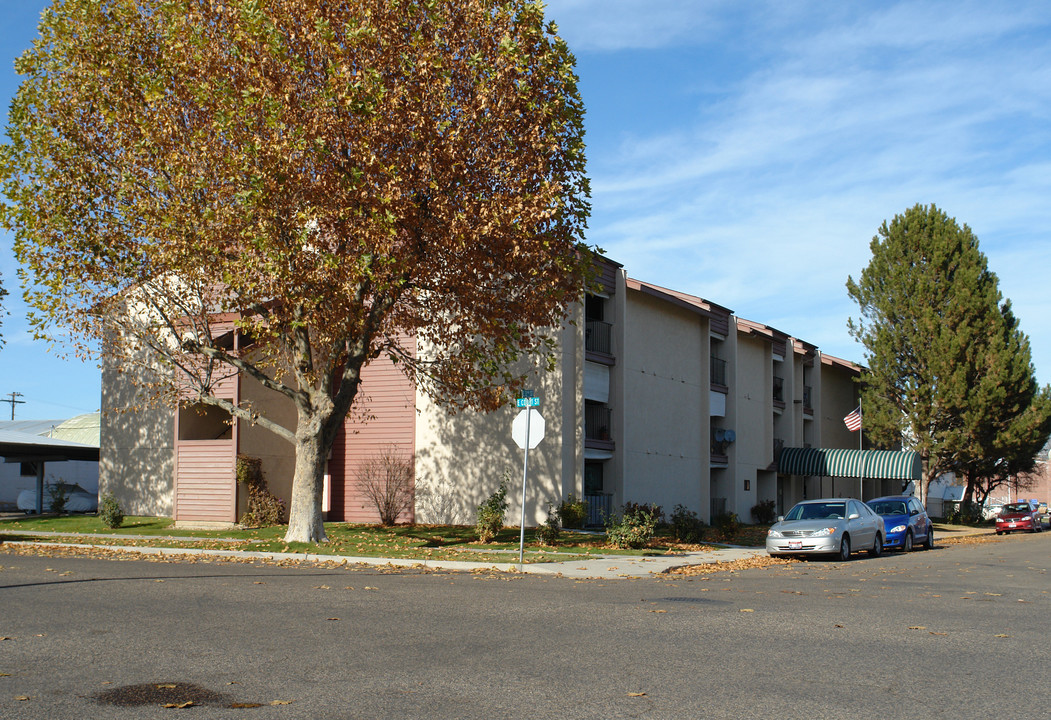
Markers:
point(308, 484)
point(925, 479)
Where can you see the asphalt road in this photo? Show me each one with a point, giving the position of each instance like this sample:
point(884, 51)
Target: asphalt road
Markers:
point(957, 632)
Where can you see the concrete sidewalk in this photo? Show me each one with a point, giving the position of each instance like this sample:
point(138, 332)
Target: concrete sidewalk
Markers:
point(598, 566)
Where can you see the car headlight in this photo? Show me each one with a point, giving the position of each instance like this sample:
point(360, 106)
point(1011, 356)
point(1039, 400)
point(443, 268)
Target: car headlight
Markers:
point(898, 528)
point(823, 532)
point(774, 533)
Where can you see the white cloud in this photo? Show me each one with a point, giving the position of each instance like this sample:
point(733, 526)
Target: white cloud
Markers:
point(765, 198)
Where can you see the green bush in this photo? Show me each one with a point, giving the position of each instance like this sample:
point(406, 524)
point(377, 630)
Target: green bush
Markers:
point(727, 524)
point(110, 512)
point(764, 512)
point(657, 511)
point(59, 492)
point(548, 533)
point(573, 512)
point(491, 512)
point(633, 529)
point(686, 526)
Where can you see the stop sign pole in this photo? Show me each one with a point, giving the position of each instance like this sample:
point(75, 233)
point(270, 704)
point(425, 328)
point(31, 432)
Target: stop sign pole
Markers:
point(526, 437)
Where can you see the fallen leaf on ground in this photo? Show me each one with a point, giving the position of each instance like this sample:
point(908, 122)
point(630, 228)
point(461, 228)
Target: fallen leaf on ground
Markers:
point(21, 698)
point(917, 627)
point(280, 702)
point(636, 694)
point(166, 686)
point(747, 610)
point(246, 705)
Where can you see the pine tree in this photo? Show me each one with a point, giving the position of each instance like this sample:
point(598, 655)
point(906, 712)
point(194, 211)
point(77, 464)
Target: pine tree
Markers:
point(949, 372)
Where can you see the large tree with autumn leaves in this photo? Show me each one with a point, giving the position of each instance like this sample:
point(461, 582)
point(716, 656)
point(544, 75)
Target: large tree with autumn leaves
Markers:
point(341, 180)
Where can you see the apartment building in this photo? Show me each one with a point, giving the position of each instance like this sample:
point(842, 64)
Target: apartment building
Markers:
point(659, 397)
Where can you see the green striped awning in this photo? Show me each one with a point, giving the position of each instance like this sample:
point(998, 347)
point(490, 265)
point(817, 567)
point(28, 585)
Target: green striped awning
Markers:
point(834, 462)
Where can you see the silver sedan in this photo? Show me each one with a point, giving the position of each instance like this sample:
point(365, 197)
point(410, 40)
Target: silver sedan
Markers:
point(831, 526)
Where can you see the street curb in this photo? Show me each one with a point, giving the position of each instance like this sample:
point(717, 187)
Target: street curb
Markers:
point(618, 567)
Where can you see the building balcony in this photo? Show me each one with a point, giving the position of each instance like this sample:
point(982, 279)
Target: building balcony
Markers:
point(717, 375)
point(598, 426)
point(598, 337)
point(779, 392)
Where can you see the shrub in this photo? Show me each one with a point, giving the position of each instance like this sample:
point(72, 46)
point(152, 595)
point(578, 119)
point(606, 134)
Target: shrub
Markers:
point(491, 512)
point(634, 508)
point(110, 512)
point(387, 480)
point(634, 528)
point(727, 524)
point(764, 512)
point(572, 513)
point(264, 508)
point(59, 492)
point(686, 526)
point(549, 532)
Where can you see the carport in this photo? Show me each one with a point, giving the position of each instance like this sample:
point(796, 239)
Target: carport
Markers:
point(16, 447)
point(838, 463)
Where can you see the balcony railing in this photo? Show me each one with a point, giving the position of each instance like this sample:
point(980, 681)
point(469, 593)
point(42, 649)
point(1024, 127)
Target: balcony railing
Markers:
point(598, 336)
point(779, 389)
point(597, 425)
point(808, 398)
point(718, 371)
point(600, 507)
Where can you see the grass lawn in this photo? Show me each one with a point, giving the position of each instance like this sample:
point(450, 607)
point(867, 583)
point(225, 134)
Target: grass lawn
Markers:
point(425, 542)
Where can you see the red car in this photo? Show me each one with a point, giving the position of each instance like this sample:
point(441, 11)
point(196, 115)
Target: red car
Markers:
point(1018, 516)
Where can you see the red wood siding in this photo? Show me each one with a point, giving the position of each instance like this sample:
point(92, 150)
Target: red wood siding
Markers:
point(391, 403)
point(205, 487)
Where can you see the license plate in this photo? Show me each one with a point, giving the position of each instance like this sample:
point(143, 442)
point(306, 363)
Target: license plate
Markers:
point(795, 545)
point(1010, 524)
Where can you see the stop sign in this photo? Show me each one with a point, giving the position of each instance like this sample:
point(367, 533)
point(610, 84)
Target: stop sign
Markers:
point(536, 428)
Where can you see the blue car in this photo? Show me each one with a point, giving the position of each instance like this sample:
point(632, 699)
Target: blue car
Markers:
point(906, 522)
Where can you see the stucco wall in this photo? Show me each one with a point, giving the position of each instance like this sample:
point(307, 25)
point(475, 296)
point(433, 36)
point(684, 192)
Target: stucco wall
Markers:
point(136, 455)
point(462, 457)
point(837, 400)
point(664, 360)
point(753, 395)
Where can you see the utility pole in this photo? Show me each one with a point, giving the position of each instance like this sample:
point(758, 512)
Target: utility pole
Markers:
point(14, 402)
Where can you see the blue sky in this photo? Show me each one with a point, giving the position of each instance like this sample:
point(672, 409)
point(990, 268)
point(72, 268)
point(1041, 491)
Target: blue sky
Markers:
point(748, 152)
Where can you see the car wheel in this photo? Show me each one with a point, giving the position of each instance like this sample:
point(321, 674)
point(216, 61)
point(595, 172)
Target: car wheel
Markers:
point(877, 546)
point(928, 544)
point(844, 548)
point(907, 545)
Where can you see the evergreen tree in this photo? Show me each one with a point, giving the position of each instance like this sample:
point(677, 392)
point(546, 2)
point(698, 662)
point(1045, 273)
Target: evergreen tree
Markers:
point(949, 372)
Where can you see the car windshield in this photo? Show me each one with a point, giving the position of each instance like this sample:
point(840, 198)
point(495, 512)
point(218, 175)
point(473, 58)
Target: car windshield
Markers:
point(817, 511)
point(1016, 507)
point(889, 507)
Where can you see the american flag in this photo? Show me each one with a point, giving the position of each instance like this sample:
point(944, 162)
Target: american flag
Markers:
point(853, 420)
